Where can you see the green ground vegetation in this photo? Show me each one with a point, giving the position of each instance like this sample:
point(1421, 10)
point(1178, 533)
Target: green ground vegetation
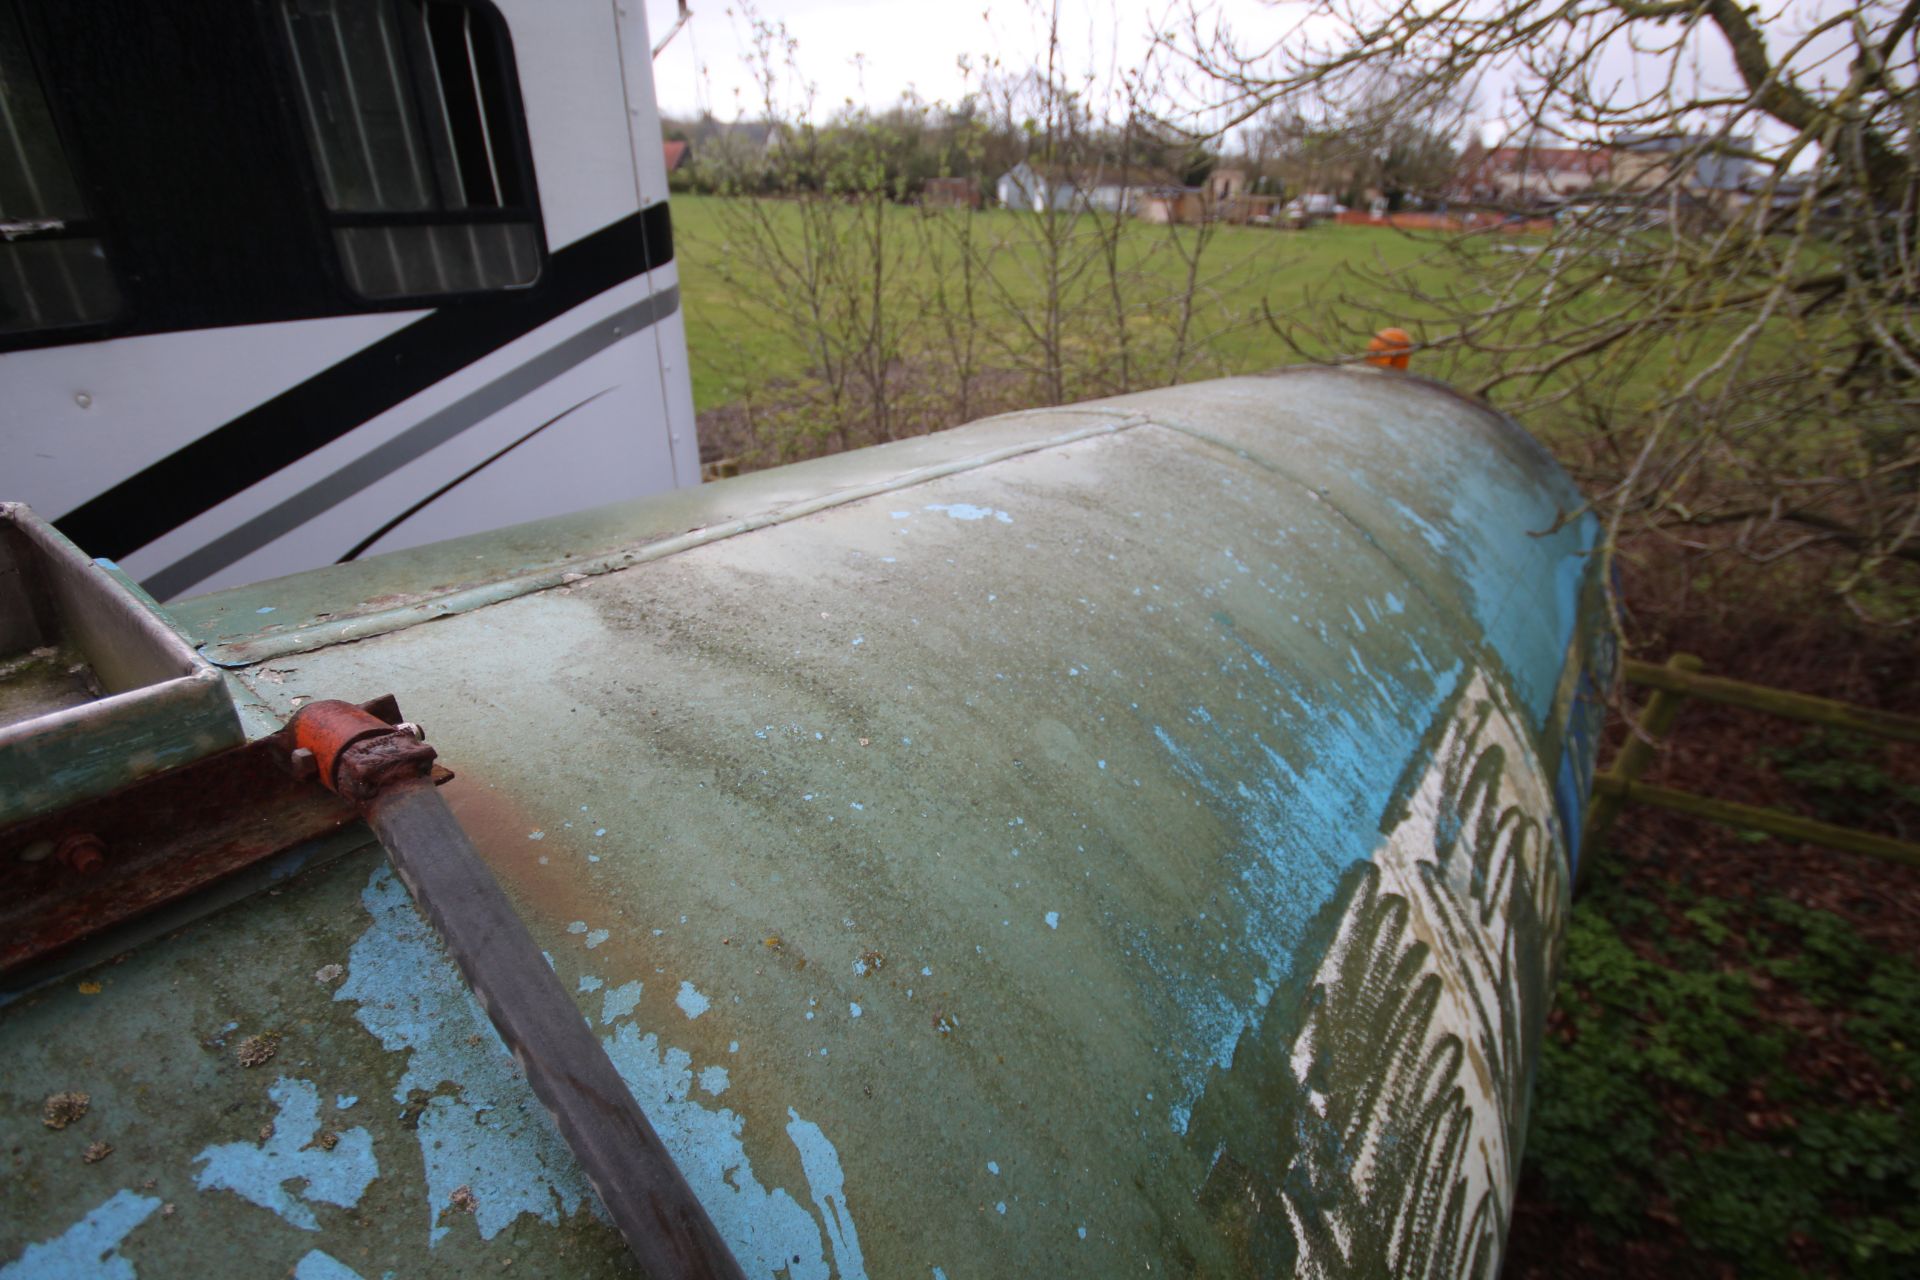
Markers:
point(1743, 1071)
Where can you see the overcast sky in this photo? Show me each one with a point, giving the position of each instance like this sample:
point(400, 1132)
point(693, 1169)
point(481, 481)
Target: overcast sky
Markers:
point(871, 51)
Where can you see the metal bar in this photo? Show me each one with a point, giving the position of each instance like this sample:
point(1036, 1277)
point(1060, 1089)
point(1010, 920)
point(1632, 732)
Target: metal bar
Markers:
point(624, 1159)
point(1655, 723)
point(1753, 818)
point(480, 107)
point(1793, 706)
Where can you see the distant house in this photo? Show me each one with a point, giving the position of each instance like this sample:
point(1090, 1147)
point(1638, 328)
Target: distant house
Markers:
point(1696, 165)
point(676, 153)
point(1230, 198)
point(1314, 204)
point(1174, 204)
point(1224, 185)
point(1038, 188)
point(1025, 187)
point(1529, 175)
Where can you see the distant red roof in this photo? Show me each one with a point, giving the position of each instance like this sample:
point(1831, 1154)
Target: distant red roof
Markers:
point(675, 154)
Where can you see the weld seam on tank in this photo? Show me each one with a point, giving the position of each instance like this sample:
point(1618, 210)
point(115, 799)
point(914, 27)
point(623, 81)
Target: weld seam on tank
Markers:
point(365, 626)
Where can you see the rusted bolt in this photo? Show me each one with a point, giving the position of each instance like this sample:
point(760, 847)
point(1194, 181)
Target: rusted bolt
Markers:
point(82, 852)
point(302, 763)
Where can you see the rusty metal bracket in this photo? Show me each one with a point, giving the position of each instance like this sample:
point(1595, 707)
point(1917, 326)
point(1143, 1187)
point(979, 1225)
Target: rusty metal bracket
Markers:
point(353, 753)
point(383, 767)
point(83, 869)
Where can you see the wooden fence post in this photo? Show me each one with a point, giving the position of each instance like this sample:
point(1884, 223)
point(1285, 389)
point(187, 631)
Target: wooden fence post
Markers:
point(1636, 753)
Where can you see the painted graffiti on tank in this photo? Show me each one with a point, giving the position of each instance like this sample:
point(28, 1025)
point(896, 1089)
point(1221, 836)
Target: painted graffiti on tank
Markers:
point(1413, 1057)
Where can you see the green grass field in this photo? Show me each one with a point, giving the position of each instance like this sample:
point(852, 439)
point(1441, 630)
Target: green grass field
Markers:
point(736, 346)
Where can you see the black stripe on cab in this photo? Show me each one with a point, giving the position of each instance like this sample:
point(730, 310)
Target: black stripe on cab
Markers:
point(232, 458)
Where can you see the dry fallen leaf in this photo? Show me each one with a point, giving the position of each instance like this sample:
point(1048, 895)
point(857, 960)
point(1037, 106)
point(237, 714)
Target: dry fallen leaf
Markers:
point(62, 1109)
point(258, 1050)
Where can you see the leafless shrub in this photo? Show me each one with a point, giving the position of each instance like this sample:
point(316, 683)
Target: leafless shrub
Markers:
point(1723, 332)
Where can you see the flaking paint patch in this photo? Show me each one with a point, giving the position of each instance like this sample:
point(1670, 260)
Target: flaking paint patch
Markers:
point(967, 511)
point(691, 1002)
point(90, 1247)
point(323, 1266)
point(261, 1173)
point(481, 1128)
point(769, 1231)
point(828, 1183)
point(619, 1001)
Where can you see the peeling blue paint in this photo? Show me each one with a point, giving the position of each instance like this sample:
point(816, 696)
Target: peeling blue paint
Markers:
point(967, 511)
point(766, 1228)
point(828, 1185)
point(481, 1127)
point(715, 1080)
point(90, 1247)
point(619, 1001)
point(259, 1173)
point(322, 1266)
point(691, 1002)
